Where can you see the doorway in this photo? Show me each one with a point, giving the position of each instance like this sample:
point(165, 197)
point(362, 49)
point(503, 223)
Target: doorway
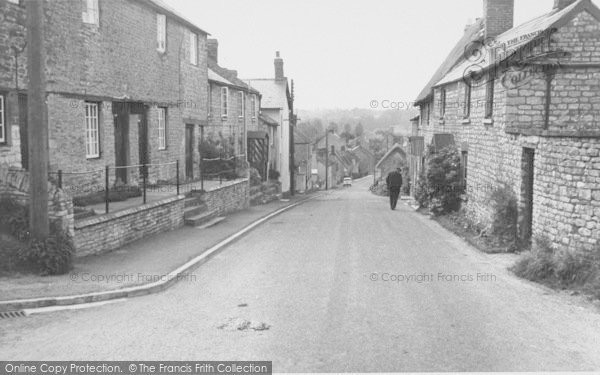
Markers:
point(528, 173)
point(189, 151)
point(121, 116)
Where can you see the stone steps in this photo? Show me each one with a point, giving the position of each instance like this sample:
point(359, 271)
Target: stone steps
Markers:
point(201, 218)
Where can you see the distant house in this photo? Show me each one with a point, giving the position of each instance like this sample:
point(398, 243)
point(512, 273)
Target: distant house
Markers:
point(395, 158)
point(277, 104)
point(366, 160)
point(303, 149)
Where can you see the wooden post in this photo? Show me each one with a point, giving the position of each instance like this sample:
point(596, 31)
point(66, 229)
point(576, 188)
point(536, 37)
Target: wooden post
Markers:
point(38, 122)
point(144, 180)
point(107, 187)
point(177, 173)
point(327, 160)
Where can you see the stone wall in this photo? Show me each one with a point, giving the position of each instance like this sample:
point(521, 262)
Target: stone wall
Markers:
point(232, 196)
point(108, 232)
point(14, 185)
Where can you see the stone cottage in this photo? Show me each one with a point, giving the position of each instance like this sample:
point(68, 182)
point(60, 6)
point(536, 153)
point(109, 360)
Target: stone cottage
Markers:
point(521, 104)
point(233, 106)
point(118, 93)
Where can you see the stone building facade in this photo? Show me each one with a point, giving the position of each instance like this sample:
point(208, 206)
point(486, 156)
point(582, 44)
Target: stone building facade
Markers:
point(530, 126)
point(234, 106)
point(126, 84)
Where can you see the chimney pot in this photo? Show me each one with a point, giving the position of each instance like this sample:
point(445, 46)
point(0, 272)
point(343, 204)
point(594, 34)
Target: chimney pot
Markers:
point(498, 16)
point(278, 66)
point(212, 46)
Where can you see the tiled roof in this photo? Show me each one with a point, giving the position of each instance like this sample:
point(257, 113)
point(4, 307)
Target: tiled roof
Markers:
point(395, 148)
point(515, 35)
point(267, 120)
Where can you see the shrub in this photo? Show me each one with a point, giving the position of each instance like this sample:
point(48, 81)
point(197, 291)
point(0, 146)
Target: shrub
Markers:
point(54, 256)
point(440, 188)
point(255, 178)
point(14, 218)
point(273, 175)
point(505, 217)
point(118, 193)
point(536, 265)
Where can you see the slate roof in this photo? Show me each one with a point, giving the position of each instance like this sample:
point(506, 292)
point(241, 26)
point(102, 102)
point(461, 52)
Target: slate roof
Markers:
point(228, 77)
point(472, 34)
point(395, 148)
point(553, 19)
point(274, 92)
point(267, 120)
point(300, 138)
point(161, 5)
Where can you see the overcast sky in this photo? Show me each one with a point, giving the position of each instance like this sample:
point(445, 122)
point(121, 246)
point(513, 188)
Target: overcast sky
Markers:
point(341, 53)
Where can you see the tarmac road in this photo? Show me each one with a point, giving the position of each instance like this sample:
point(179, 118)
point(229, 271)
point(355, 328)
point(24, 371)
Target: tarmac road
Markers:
point(339, 284)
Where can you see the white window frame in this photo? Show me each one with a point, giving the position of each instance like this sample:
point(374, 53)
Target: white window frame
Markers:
point(162, 128)
point(253, 101)
point(3, 137)
point(92, 130)
point(224, 102)
point(91, 13)
point(241, 105)
point(193, 48)
point(161, 33)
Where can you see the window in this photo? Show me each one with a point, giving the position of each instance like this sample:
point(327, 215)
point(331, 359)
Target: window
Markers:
point(253, 103)
point(90, 12)
point(161, 32)
point(92, 139)
point(162, 128)
point(241, 105)
point(224, 101)
point(467, 103)
point(2, 120)
point(14, 1)
point(489, 96)
point(442, 102)
point(209, 100)
point(193, 49)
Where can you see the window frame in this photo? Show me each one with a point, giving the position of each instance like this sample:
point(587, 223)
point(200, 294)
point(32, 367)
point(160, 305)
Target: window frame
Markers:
point(489, 96)
point(3, 127)
point(162, 130)
point(161, 33)
point(241, 105)
point(92, 144)
point(91, 12)
point(224, 102)
point(442, 102)
point(193, 48)
point(253, 103)
point(468, 99)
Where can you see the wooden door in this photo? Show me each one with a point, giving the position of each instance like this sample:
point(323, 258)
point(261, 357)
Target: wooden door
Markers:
point(189, 151)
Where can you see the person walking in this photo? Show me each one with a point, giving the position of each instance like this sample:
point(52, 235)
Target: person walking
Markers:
point(394, 184)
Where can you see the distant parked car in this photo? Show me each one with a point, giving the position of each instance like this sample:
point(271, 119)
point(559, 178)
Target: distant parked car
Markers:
point(347, 181)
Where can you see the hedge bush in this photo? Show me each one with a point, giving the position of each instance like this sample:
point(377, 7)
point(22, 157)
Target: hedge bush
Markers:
point(440, 187)
point(504, 229)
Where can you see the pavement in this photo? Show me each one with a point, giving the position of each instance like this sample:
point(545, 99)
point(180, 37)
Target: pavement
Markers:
point(338, 284)
point(138, 263)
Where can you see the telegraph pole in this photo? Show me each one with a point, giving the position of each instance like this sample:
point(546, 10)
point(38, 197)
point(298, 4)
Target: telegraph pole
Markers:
point(327, 159)
point(37, 121)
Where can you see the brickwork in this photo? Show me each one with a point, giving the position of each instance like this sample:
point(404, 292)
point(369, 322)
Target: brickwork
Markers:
point(123, 227)
point(566, 163)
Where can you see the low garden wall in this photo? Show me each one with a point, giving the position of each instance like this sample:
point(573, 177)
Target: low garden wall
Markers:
point(232, 196)
point(108, 232)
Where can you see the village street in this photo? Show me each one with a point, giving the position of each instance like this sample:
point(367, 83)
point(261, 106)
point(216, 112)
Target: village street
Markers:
point(320, 279)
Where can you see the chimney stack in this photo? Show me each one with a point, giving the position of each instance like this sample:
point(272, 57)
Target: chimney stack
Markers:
point(212, 46)
point(562, 4)
point(498, 16)
point(278, 66)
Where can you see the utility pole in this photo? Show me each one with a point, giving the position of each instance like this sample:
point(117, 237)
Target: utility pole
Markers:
point(37, 121)
point(327, 159)
point(292, 124)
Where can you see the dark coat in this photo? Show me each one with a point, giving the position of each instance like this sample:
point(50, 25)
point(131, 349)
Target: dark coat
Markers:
point(394, 179)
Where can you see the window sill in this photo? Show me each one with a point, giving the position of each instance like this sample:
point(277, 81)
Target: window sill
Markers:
point(162, 149)
point(466, 121)
point(488, 121)
point(93, 157)
point(161, 51)
point(441, 121)
point(224, 118)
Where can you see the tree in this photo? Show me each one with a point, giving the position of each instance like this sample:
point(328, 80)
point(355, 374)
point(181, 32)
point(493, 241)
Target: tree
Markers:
point(347, 134)
point(333, 127)
point(359, 130)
